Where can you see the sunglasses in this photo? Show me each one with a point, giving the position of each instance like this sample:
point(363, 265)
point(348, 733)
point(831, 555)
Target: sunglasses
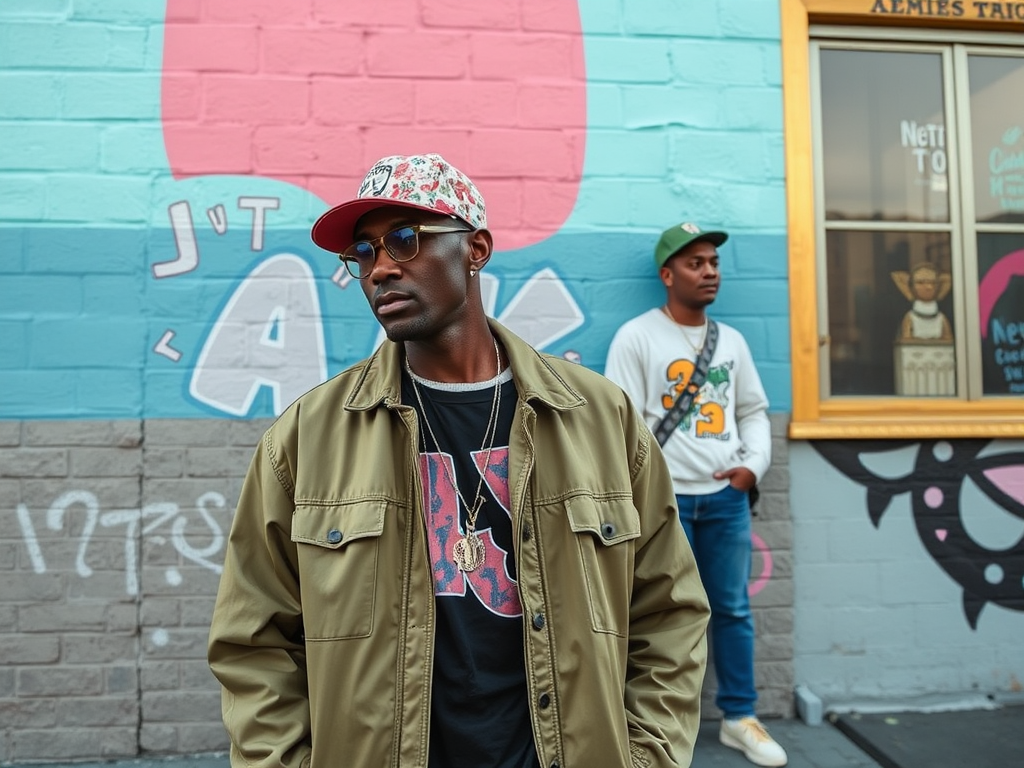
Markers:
point(401, 244)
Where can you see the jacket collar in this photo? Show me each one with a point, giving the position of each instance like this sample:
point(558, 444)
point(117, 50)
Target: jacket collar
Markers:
point(380, 381)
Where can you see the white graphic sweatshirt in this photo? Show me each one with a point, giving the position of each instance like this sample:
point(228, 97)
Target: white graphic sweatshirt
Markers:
point(727, 425)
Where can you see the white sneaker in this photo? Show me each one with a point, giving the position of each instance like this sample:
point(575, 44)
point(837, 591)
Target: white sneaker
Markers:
point(751, 738)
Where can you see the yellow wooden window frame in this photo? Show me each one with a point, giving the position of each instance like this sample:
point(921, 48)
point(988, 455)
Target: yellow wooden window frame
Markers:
point(889, 417)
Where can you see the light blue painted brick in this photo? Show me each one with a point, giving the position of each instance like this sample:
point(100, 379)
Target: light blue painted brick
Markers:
point(942, 624)
point(121, 295)
point(778, 338)
point(648, 106)
point(80, 251)
point(854, 539)
point(40, 295)
point(766, 297)
point(604, 106)
point(23, 391)
point(95, 198)
point(627, 60)
point(599, 202)
point(22, 197)
point(124, 11)
point(717, 61)
point(13, 343)
point(36, 44)
point(24, 9)
point(130, 48)
point(111, 95)
point(131, 148)
point(162, 384)
point(108, 341)
point(12, 255)
point(914, 583)
point(754, 205)
point(775, 152)
point(752, 328)
point(775, 375)
point(869, 628)
point(48, 146)
point(29, 94)
point(754, 108)
point(749, 18)
point(772, 53)
point(738, 155)
point(626, 153)
point(759, 255)
point(109, 393)
point(853, 584)
point(671, 17)
point(604, 16)
point(659, 203)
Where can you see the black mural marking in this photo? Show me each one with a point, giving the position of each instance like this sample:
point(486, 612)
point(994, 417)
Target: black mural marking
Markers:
point(935, 484)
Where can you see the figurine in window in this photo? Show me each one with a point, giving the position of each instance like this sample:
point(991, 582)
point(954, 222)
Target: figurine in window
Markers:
point(925, 287)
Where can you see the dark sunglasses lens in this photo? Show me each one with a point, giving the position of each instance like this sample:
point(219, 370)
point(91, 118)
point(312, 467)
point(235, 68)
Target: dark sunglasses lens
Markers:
point(359, 258)
point(402, 243)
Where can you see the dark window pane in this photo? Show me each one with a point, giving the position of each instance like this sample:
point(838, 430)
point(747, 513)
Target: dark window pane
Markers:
point(1001, 310)
point(997, 136)
point(884, 136)
point(890, 313)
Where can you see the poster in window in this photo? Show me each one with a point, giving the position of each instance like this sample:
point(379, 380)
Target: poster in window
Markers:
point(1001, 312)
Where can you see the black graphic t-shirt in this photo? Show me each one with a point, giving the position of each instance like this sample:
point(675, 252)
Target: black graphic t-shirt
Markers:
point(480, 712)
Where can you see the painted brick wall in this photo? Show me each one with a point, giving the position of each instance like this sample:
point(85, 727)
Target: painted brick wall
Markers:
point(908, 576)
point(156, 154)
point(163, 160)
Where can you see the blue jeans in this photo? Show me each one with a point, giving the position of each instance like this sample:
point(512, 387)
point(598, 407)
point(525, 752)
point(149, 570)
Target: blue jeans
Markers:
point(718, 527)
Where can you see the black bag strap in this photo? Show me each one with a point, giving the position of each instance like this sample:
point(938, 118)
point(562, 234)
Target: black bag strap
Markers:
point(664, 428)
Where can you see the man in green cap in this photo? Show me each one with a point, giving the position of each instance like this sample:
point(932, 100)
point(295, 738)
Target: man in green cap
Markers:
point(717, 442)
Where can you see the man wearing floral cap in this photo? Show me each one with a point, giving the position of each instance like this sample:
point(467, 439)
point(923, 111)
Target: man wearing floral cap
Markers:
point(675, 361)
point(460, 552)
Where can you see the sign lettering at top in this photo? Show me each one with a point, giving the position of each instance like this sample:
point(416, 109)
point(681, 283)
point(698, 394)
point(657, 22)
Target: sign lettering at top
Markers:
point(993, 11)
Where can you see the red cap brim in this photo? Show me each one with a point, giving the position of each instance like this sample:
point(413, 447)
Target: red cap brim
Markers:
point(333, 231)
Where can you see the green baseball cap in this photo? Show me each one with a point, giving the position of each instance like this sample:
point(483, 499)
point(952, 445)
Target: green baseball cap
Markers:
point(674, 239)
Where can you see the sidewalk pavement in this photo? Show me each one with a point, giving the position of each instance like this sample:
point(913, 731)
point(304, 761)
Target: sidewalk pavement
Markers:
point(820, 746)
point(982, 738)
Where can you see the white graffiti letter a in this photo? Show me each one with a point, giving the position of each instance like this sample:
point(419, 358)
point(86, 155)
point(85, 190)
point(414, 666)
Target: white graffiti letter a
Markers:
point(269, 334)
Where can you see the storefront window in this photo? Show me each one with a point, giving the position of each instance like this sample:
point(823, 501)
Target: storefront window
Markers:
point(890, 313)
point(904, 131)
point(884, 136)
point(910, 253)
point(997, 131)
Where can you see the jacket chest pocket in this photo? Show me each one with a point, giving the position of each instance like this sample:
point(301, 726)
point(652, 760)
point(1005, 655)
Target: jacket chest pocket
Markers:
point(605, 530)
point(338, 549)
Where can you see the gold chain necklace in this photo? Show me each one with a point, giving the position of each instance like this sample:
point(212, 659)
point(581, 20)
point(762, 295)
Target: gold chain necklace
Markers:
point(682, 329)
point(468, 551)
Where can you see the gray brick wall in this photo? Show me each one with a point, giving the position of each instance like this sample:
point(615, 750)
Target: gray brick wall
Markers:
point(110, 549)
point(112, 542)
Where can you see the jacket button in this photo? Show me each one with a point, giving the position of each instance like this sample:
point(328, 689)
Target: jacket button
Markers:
point(607, 530)
point(527, 533)
point(333, 536)
point(538, 621)
point(544, 701)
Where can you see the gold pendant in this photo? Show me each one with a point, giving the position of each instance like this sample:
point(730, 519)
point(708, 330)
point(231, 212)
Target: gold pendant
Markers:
point(468, 552)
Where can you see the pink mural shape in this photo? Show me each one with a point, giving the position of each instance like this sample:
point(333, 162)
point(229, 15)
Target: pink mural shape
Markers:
point(1010, 480)
point(996, 280)
point(312, 92)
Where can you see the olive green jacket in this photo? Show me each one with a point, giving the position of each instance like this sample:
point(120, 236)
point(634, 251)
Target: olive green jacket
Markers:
point(323, 631)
